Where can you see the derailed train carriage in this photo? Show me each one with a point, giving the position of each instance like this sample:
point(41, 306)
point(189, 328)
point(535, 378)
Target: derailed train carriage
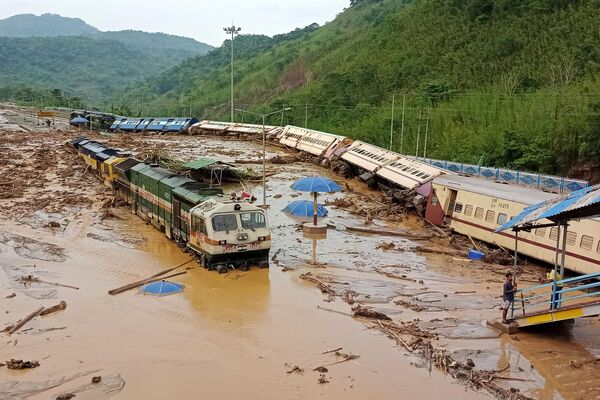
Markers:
point(222, 233)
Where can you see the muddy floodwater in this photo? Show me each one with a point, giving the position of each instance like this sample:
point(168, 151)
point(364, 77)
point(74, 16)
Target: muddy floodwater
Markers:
point(255, 334)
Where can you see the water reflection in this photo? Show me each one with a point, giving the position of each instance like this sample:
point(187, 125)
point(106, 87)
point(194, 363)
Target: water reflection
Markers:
point(236, 298)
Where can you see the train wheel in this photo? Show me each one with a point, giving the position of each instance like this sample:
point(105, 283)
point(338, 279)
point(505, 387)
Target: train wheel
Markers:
point(222, 269)
point(244, 267)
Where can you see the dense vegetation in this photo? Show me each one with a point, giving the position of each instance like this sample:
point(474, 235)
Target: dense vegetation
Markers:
point(82, 66)
point(40, 97)
point(499, 82)
point(51, 51)
point(159, 44)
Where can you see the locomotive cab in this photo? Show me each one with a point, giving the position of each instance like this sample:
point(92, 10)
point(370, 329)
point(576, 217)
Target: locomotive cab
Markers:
point(228, 234)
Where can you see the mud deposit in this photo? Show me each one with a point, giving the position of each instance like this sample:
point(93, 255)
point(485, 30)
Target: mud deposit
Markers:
point(241, 335)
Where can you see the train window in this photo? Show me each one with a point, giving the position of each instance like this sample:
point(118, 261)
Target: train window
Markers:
point(571, 238)
point(598, 247)
point(224, 222)
point(501, 219)
point(586, 242)
point(490, 216)
point(540, 232)
point(198, 224)
point(554, 233)
point(458, 207)
point(253, 220)
point(468, 210)
point(479, 213)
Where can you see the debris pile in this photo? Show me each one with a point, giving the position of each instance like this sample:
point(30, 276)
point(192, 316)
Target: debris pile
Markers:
point(20, 364)
point(370, 208)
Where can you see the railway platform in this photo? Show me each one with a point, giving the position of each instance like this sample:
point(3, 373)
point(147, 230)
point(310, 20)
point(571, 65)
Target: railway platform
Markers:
point(556, 301)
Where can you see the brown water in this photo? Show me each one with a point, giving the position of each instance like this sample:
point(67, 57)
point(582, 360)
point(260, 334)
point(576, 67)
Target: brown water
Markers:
point(232, 335)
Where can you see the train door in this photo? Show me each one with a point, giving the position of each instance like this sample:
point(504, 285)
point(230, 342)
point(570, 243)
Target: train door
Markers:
point(176, 218)
point(451, 203)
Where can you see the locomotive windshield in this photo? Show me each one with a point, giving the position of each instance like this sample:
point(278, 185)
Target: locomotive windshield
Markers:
point(253, 220)
point(224, 222)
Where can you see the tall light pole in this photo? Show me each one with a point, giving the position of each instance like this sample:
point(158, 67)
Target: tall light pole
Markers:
point(232, 30)
point(264, 143)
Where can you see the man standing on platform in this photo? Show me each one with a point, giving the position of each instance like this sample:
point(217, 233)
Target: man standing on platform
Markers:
point(508, 295)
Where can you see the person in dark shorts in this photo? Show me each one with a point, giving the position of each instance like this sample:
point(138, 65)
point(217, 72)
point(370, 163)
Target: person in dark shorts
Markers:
point(508, 295)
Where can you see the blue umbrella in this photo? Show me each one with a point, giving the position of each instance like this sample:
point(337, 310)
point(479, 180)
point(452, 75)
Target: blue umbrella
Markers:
point(79, 120)
point(304, 208)
point(316, 184)
point(162, 288)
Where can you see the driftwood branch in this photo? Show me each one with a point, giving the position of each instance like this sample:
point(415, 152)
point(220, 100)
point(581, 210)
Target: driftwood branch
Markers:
point(25, 320)
point(150, 279)
point(142, 282)
point(49, 310)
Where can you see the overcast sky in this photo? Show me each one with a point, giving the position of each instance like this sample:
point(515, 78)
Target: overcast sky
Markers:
point(202, 20)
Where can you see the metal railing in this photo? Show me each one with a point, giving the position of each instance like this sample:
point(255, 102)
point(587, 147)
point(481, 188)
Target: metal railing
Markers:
point(566, 292)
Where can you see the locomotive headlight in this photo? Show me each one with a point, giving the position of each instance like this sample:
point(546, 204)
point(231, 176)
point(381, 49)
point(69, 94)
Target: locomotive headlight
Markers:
point(242, 236)
point(262, 238)
point(222, 242)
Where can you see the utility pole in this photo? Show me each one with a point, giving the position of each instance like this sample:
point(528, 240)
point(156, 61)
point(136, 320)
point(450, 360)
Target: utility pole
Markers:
point(426, 132)
point(402, 131)
point(306, 117)
point(419, 132)
point(392, 122)
point(264, 147)
point(232, 30)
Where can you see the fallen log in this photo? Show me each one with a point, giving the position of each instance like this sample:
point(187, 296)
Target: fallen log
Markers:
point(473, 242)
point(422, 249)
point(49, 310)
point(384, 232)
point(332, 350)
point(368, 313)
point(437, 228)
point(394, 276)
point(25, 320)
point(142, 282)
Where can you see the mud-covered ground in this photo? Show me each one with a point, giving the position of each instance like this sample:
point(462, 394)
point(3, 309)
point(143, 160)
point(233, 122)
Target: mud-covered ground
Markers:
point(242, 334)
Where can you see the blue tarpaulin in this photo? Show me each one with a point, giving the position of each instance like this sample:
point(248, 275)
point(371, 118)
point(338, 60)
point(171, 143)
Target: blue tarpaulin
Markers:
point(584, 203)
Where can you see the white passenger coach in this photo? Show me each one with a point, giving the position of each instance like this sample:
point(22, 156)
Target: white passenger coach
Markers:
point(391, 166)
point(317, 143)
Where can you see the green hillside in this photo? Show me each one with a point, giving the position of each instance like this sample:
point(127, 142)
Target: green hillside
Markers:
point(504, 82)
point(85, 67)
point(175, 47)
point(47, 52)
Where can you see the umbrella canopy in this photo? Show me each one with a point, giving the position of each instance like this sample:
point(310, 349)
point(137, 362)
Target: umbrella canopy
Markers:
point(79, 120)
point(162, 288)
point(316, 184)
point(305, 208)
